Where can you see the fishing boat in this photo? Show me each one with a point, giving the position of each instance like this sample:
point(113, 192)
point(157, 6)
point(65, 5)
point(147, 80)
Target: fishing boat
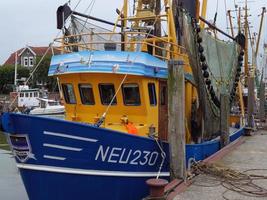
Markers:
point(115, 90)
point(26, 97)
point(48, 107)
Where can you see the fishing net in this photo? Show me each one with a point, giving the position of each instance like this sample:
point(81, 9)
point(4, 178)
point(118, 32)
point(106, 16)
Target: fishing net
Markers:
point(221, 62)
point(90, 36)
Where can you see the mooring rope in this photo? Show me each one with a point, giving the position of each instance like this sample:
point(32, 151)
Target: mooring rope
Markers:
point(233, 180)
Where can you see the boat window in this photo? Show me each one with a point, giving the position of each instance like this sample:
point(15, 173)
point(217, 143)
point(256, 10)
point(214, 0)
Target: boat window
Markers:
point(21, 94)
point(86, 93)
point(163, 95)
point(30, 94)
point(152, 94)
point(35, 94)
point(68, 92)
point(26, 94)
point(107, 92)
point(53, 103)
point(43, 104)
point(131, 95)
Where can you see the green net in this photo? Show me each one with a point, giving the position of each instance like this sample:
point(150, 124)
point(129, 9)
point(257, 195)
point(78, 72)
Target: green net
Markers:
point(221, 59)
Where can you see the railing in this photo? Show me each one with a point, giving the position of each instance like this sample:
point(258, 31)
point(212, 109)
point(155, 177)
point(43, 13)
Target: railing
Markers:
point(160, 47)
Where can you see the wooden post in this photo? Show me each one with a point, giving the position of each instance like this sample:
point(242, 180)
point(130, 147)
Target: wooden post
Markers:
point(176, 124)
point(224, 119)
point(251, 101)
point(262, 101)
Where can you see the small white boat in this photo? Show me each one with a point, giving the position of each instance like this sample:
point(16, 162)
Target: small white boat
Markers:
point(48, 107)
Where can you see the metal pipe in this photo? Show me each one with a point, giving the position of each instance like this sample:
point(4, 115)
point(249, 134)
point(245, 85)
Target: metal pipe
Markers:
point(96, 19)
point(216, 28)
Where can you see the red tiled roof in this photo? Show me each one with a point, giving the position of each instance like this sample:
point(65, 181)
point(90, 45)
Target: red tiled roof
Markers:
point(39, 51)
point(11, 59)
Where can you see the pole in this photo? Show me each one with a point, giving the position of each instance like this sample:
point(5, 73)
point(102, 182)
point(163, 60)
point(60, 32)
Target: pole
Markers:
point(216, 28)
point(176, 124)
point(231, 23)
point(224, 119)
point(259, 36)
point(251, 101)
point(16, 69)
point(262, 101)
point(246, 43)
point(203, 12)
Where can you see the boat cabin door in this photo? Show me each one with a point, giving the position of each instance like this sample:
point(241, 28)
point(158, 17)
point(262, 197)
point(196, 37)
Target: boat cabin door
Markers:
point(163, 110)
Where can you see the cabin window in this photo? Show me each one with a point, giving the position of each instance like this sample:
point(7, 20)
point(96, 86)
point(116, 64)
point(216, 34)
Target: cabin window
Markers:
point(30, 61)
point(30, 94)
point(152, 94)
point(68, 92)
point(26, 62)
point(163, 95)
point(86, 93)
point(21, 94)
point(131, 95)
point(35, 94)
point(26, 94)
point(107, 92)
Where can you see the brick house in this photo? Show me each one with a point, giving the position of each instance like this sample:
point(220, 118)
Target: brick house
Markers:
point(27, 55)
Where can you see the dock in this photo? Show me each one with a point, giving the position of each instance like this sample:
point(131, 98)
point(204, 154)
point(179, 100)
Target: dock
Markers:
point(245, 156)
point(11, 187)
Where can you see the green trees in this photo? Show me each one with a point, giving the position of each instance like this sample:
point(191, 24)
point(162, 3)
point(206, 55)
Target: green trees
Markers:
point(40, 75)
point(7, 73)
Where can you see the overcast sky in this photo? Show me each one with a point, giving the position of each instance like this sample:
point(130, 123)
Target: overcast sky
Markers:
point(33, 22)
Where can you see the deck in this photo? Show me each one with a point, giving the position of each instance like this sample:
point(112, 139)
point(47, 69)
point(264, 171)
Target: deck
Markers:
point(247, 154)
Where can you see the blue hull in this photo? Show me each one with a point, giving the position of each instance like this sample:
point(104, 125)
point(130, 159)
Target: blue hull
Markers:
point(65, 160)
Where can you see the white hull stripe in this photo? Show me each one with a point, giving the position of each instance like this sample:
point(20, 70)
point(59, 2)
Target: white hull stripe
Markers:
point(89, 172)
point(61, 147)
point(54, 157)
point(70, 136)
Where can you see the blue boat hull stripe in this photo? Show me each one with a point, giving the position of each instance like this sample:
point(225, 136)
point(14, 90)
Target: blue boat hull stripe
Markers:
point(61, 147)
point(90, 172)
point(70, 136)
point(54, 157)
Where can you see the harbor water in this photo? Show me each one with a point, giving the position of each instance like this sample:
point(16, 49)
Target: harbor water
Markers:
point(11, 186)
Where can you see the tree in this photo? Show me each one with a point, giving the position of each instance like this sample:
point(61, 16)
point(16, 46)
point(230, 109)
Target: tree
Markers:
point(7, 73)
point(41, 74)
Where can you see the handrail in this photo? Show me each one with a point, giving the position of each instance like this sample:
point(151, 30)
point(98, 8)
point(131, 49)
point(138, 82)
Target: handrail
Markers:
point(168, 49)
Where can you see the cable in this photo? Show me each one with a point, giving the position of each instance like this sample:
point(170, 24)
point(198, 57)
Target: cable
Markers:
point(50, 47)
point(102, 118)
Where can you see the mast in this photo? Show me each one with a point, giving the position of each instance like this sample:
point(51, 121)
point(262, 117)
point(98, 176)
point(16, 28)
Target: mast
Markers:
point(246, 36)
point(261, 24)
point(203, 12)
point(16, 69)
point(231, 22)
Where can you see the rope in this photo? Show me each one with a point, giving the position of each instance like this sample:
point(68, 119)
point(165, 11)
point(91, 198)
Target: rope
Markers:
point(102, 118)
point(163, 155)
point(31, 74)
point(235, 181)
point(90, 5)
point(50, 47)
